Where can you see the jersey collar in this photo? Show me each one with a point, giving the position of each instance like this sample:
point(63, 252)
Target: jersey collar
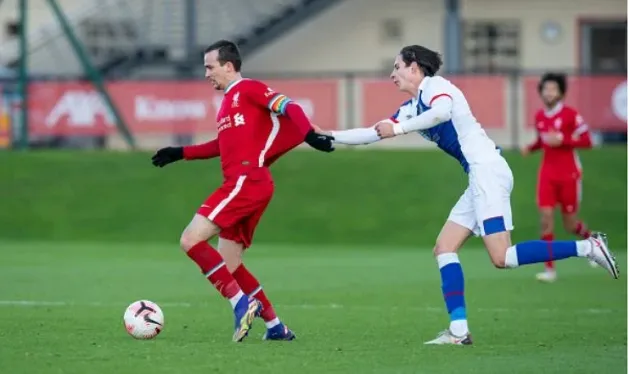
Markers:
point(555, 110)
point(423, 83)
point(232, 84)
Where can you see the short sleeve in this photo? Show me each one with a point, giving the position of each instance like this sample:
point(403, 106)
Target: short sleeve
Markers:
point(262, 95)
point(580, 126)
point(436, 89)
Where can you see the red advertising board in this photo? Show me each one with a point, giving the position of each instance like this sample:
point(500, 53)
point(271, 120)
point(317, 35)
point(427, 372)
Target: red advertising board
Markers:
point(157, 106)
point(486, 96)
point(601, 100)
point(171, 107)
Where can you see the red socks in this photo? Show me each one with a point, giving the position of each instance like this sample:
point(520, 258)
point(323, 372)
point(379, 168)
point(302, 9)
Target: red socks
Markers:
point(549, 265)
point(582, 231)
point(213, 267)
point(249, 284)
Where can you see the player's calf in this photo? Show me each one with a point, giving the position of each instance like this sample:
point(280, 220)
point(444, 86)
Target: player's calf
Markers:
point(573, 225)
point(594, 248)
point(546, 229)
point(232, 253)
point(451, 238)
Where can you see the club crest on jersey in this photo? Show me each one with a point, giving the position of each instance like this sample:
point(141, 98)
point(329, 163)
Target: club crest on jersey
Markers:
point(269, 92)
point(235, 100)
point(557, 123)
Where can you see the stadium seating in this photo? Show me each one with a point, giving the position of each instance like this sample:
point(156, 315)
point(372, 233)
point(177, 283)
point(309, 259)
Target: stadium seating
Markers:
point(113, 29)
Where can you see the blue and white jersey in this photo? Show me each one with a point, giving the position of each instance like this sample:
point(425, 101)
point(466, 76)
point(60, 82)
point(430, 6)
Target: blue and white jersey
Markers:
point(462, 136)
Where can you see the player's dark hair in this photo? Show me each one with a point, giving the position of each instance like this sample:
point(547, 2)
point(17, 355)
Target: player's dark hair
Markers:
point(560, 79)
point(228, 52)
point(429, 61)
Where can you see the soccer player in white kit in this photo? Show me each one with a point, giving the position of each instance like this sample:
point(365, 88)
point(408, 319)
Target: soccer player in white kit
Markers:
point(439, 112)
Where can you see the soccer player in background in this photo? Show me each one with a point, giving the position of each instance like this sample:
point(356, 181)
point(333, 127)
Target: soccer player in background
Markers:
point(256, 126)
point(439, 111)
point(560, 131)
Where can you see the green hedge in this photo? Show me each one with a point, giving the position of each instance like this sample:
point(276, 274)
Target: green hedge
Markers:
point(368, 197)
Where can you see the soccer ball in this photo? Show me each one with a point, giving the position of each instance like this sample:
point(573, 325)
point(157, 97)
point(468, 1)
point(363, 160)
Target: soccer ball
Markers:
point(143, 319)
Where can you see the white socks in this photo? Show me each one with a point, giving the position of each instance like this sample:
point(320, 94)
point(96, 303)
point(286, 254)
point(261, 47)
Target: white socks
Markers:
point(459, 328)
point(584, 247)
point(234, 300)
point(273, 323)
point(511, 259)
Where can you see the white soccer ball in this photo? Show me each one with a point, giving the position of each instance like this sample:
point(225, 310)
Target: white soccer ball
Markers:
point(144, 319)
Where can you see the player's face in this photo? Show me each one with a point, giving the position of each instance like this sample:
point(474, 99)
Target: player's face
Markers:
point(550, 93)
point(403, 76)
point(215, 73)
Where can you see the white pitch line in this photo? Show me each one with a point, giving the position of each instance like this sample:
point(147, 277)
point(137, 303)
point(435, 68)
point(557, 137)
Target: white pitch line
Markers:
point(43, 303)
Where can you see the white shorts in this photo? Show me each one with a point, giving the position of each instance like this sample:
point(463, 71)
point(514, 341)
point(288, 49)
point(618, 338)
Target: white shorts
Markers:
point(485, 208)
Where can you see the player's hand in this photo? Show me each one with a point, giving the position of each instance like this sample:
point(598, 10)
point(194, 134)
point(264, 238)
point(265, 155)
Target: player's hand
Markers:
point(321, 142)
point(320, 131)
point(553, 139)
point(385, 130)
point(167, 155)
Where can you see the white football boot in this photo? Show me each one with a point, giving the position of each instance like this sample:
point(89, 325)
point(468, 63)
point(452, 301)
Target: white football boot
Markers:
point(447, 337)
point(548, 276)
point(601, 255)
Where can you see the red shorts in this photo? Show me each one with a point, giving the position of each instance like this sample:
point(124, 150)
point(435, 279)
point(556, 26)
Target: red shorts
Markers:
point(237, 206)
point(564, 192)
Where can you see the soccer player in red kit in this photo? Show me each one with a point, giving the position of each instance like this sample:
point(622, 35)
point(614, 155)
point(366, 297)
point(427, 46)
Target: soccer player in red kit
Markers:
point(256, 126)
point(561, 130)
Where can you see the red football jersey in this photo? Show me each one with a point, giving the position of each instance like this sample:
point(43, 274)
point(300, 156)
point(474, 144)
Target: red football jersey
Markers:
point(561, 161)
point(252, 131)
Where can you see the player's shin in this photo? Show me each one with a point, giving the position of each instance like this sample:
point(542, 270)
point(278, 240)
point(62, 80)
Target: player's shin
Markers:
point(453, 291)
point(536, 251)
point(549, 265)
point(250, 285)
point(213, 267)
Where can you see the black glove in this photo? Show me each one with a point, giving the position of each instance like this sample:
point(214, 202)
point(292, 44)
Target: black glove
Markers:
point(167, 155)
point(320, 142)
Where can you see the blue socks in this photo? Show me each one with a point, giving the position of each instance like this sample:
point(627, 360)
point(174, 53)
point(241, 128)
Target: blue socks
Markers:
point(453, 291)
point(535, 251)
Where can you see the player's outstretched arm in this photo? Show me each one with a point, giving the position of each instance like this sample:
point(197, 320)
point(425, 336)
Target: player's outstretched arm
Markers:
point(167, 155)
point(441, 111)
point(319, 141)
point(356, 136)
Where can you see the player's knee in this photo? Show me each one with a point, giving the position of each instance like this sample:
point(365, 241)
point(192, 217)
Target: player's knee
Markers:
point(497, 245)
point(200, 229)
point(498, 260)
point(189, 239)
point(546, 222)
point(442, 248)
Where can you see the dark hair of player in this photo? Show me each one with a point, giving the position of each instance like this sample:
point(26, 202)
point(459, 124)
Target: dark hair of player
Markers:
point(428, 60)
point(228, 52)
point(560, 79)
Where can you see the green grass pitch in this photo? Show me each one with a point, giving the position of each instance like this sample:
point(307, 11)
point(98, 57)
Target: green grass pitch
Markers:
point(83, 234)
point(354, 309)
